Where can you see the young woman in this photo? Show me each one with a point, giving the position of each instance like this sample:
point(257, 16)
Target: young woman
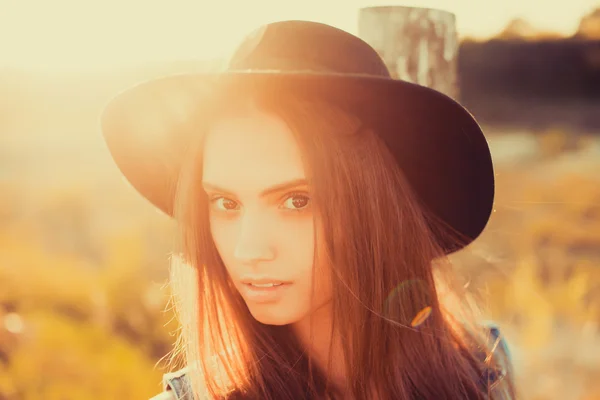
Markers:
point(317, 201)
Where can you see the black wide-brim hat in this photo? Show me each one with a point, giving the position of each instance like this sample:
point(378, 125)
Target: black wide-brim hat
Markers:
point(438, 144)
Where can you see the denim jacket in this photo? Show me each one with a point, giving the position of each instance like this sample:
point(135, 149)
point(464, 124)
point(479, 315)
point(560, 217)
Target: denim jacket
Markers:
point(176, 384)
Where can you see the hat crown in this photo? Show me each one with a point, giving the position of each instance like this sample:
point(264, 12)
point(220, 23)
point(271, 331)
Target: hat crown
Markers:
point(295, 46)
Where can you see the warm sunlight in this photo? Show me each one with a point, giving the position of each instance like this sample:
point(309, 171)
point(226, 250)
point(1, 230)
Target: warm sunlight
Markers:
point(75, 35)
point(102, 292)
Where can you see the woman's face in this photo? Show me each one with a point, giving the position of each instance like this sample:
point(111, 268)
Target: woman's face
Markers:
point(261, 216)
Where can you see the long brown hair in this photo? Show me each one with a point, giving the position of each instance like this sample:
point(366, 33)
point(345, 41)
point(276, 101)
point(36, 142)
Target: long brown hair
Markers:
point(386, 269)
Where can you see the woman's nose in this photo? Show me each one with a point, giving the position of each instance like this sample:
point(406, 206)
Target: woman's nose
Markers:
point(253, 243)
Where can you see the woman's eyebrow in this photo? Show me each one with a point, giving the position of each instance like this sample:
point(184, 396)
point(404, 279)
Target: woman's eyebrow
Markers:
point(280, 187)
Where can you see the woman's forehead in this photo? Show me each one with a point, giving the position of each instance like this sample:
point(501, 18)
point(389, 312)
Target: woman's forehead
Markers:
point(251, 151)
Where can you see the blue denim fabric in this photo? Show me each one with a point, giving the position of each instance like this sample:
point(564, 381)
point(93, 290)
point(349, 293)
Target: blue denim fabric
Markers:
point(498, 345)
point(177, 383)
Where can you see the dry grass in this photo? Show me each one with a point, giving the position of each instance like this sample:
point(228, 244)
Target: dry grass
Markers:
point(541, 267)
point(81, 273)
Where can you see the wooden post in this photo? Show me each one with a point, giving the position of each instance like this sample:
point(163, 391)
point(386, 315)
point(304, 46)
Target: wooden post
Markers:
point(419, 45)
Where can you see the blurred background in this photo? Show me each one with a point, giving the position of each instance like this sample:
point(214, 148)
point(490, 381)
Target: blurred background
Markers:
point(83, 259)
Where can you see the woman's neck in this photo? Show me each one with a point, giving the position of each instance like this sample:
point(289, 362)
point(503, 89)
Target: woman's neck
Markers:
point(318, 343)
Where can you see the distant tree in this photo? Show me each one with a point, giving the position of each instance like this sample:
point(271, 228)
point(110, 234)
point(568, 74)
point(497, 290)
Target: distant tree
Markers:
point(521, 29)
point(517, 28)
point(589, 27)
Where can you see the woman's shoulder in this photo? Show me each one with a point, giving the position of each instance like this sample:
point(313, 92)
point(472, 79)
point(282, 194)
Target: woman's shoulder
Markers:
point(176, 386)
point(498, 350)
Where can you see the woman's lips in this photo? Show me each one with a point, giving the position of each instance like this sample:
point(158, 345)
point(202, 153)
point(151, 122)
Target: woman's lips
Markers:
point(260, 281)
point(266, 292)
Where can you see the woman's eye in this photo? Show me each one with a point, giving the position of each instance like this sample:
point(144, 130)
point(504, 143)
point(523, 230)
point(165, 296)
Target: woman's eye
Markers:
point(296, 202)
point(225, 204)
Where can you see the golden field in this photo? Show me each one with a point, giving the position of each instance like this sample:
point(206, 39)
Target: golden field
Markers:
point(83, 264)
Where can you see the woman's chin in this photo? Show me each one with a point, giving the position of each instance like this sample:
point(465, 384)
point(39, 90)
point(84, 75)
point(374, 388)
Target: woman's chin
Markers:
point(271, 315)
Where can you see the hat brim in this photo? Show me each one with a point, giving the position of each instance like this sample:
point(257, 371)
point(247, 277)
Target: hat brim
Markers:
point(438, 144)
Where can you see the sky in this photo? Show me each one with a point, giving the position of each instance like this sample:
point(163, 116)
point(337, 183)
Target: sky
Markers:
point(82, 35)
